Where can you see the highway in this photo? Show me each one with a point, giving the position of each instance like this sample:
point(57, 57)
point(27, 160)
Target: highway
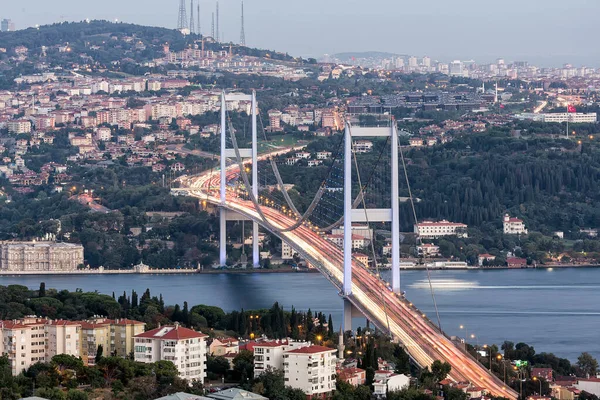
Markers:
point(421, 338)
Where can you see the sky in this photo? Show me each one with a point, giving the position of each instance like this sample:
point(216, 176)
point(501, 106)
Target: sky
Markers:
point(543, 32)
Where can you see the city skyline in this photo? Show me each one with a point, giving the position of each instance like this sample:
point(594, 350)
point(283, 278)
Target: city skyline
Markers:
point(463, 30)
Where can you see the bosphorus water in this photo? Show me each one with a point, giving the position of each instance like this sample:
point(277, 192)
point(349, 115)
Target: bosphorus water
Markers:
point(553, 310)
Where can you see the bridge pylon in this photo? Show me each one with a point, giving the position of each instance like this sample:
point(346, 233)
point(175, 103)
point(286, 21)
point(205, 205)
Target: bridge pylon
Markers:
point(391, 214)
point(251, 153)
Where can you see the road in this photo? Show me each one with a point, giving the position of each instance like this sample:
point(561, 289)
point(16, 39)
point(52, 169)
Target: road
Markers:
point(374, 297)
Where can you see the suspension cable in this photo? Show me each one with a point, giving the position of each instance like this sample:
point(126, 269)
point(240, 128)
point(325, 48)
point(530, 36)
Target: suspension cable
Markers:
point(418, 241)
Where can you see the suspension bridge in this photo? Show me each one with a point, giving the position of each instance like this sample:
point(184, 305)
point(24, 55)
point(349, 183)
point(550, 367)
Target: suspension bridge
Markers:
point(250, 187)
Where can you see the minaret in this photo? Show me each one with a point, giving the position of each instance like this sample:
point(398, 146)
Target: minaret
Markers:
point(242, 33)
point(341, 346)
point(198, 16)
point(496, 96)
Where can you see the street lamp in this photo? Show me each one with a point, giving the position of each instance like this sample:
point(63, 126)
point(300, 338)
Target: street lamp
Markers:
point(535, 378)
point(477, 346)
point(319, 338)
point(499, 358)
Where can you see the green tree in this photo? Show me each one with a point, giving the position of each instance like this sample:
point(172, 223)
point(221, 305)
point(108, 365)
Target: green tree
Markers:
point(99, 353)
point(243, 365)
point(440, 370)
point(587, 364)
point(74, 394)
point(51, 393)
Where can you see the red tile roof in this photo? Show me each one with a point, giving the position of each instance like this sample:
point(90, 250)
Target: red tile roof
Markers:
point(311, 350)
point(272, 343)
point(175, 333)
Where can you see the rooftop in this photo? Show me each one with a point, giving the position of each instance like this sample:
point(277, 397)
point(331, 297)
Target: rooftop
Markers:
point(314, 349)
point(171, 333)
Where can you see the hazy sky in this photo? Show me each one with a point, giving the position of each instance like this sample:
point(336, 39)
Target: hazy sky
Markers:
point(545, 32)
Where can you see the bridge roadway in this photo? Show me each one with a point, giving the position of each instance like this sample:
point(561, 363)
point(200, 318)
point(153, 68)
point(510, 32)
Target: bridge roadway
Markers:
point(423, 341)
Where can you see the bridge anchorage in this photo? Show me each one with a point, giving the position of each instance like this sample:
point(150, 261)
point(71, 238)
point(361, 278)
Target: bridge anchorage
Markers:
point(363, 291)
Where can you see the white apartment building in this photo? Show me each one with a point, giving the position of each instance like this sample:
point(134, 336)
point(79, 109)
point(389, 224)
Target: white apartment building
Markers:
point(19, 126)
point(358, 242)
point(385, 381)
point(103, 134)
point(363, 146)
point(359, 230)
point(24, 341)
point(513, 226)
point(432, 230)
point(287, 253)
point(311, 369)
point(62, 337)
point(268, 355)
point(184, 347)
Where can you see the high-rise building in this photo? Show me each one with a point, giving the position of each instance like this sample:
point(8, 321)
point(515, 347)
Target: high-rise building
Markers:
point(311, 369)
point(6, 25)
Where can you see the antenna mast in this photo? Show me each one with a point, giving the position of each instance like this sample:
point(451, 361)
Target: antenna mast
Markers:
point(242, 33)
point(212, 27)
point(192, 27)
point(217, 26)
point(182, 20)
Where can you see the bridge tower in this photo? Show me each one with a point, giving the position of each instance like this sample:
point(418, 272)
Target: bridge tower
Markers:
point(252, 153)
point(369, 215)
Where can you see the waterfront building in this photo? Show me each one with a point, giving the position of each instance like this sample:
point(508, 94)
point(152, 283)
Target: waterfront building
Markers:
point(432, 230)
point(513, 226)
point(40, 256)
point(311, 369)
point(184, 347)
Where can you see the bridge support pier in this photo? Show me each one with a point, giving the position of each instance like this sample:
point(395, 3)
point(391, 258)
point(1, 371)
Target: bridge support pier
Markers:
point(222, 238)
point(347, 323)
point(253, 155)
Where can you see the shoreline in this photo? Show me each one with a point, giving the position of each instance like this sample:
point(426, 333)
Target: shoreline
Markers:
point(248, 271)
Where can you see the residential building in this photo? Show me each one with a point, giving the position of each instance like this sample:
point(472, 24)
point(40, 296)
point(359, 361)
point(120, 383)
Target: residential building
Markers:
point(311, 369)
point(353, 376)
point(513, 226)
point(122, 333)
point(24, 342)
point(559, 117)
point(361, 258)
point(358, 242)
point(40, 256)
point(428, 250)
point(357, 230)
point(516, 262)
point(268, 355)
point(362, 146)
point(385, 381)
point(103, 134)
point(432, 230)
point(542, 373)
point(287, 253)
point(63, 337)
point(590, 385)
point(184, 347)
point(222, 346)
point(94, 333)
point(485, 257)
point(19, 126)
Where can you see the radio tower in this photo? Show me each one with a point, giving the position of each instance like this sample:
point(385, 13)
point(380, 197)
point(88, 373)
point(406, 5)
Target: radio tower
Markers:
point(199, 27)
point(217, 25)
point(242, 33)
point(182, 21)
point(192, 27)
point(212, 27)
